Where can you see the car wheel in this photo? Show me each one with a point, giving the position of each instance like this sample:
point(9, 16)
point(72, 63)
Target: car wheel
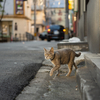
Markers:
point(48, 39)
point(57, 40)
point(42, 38)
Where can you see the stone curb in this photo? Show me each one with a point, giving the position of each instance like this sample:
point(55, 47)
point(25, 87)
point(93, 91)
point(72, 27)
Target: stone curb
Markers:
point(87, 81)
point(92, 61)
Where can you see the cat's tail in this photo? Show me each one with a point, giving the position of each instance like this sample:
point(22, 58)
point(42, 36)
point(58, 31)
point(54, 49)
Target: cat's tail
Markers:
point(77, 55)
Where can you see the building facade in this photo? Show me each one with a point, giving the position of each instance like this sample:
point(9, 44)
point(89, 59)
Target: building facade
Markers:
point(88, 23)
point(18, 19)
point(57, 16)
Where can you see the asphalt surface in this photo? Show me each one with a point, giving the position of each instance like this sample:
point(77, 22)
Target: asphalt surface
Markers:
point(19, 63)
point(29, 45)
point(17, 68)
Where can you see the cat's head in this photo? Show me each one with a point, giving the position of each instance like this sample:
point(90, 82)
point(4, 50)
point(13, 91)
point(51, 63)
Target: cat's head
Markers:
point(49, 54)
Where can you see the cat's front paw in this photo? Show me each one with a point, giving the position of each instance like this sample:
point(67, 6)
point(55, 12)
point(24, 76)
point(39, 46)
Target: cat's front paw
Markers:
point(67, 75)
point(51, 73)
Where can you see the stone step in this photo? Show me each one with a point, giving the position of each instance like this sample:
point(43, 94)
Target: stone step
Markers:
point(77, 46)
point(88, 87)
point(92, 61)
point(88, 77)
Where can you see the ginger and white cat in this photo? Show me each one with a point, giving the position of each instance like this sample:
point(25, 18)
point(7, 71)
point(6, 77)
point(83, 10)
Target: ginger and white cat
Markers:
point(62, 56)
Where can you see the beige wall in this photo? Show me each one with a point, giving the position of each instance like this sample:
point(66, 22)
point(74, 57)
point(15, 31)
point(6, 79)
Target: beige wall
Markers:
point(23, 25)
point(27, 9)
point(39, 20)
point(39, 17)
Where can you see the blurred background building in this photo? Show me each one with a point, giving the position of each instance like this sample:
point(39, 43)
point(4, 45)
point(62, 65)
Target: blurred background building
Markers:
point(55, 12)
point(83, 15)
point(18, 18)
point(40, 17)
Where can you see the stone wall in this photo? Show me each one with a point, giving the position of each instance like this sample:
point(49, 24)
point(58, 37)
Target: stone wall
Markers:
point(93, 25)
point(89, 26)
point(81, 28)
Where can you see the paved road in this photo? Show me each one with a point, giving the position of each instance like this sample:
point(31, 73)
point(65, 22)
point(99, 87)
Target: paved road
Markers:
point(19, 62)
point(32, 45)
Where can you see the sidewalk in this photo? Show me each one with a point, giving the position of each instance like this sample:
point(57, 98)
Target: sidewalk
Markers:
point(83, 84)
point(44, 87)
point(88, 77)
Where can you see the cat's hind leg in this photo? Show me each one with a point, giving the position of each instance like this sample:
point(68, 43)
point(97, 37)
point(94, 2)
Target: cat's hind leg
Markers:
point(70, 66)
point(71, 63)
point(70, 70)
point(75, 65)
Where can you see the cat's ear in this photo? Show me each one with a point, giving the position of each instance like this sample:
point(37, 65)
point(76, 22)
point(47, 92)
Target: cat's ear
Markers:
point(52, 50)
point(45, 50)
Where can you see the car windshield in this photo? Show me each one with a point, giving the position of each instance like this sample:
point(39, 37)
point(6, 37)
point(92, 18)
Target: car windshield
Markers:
point(45, 32)
point(55, 27)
